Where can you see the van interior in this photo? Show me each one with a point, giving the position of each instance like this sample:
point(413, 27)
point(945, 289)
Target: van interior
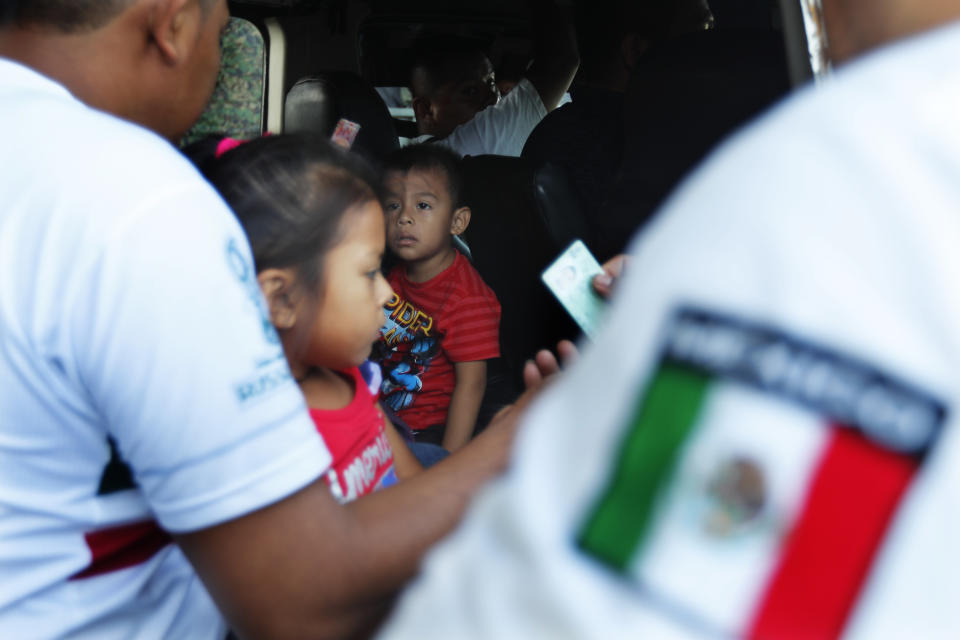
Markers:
point(302, 65)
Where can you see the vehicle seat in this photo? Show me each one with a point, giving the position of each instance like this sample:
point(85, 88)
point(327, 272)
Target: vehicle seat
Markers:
point(684, 97)
point(236, 108)
point(315, 103)
point(558, 207)
point(512, 242)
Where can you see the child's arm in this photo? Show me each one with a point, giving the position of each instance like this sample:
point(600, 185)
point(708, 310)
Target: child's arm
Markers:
point(404, 461)
point(471, 382)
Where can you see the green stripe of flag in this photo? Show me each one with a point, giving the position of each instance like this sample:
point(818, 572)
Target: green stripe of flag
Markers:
point(661, 422)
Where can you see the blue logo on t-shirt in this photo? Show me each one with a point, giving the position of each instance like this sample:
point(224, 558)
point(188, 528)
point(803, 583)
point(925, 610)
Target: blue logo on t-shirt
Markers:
point(244, 272)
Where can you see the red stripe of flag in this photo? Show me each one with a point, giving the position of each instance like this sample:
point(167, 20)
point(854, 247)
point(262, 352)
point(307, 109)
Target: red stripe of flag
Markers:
point(121, 547)
point(852, 497)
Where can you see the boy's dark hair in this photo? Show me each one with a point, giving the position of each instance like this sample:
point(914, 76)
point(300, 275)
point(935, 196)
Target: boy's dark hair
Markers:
point(439, 59)
point(430, 156)
point(290, 194)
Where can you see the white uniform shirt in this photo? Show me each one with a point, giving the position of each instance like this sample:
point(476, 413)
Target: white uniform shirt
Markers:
point(133, 338)
point(763, 442)
point(500, 129)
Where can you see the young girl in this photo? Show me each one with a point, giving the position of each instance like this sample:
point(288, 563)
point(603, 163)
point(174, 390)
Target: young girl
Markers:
point(315, 224)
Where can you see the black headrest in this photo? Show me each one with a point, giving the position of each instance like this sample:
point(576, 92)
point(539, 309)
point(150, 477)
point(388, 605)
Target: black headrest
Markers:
point(558, 206)
point(316, 102)
point(511, 244)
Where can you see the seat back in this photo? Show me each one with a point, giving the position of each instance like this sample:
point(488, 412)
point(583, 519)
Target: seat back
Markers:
point(559, 207)
point(236, 108)
point(316, 102)
point(511, 244)
point(685, 96)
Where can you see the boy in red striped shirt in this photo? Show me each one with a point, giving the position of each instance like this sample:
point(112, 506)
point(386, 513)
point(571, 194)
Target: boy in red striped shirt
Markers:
point(443, 322)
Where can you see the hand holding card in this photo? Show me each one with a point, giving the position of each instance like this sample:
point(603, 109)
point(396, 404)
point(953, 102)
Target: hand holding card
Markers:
point(570, 278)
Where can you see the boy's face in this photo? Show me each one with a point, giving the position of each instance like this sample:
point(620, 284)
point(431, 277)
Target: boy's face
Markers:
point(419, 214)
point(456, 102)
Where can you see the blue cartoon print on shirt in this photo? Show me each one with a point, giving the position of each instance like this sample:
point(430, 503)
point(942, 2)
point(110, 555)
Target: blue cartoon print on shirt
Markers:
point(408, 345)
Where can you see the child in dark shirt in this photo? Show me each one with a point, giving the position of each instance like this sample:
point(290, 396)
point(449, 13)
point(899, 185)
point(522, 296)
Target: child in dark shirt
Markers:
point(442, 324)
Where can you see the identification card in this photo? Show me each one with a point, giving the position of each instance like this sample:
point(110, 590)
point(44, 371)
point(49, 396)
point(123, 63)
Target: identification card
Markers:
point(569, 278)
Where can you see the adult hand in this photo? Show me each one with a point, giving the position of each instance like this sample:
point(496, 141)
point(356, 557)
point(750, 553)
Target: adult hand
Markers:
point(536, 374)
point(613, 269)
point(545, 364)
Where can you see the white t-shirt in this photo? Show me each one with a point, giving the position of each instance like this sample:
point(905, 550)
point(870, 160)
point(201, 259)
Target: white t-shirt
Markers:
point(132, 339)
point(500, 129)
point(763, 442)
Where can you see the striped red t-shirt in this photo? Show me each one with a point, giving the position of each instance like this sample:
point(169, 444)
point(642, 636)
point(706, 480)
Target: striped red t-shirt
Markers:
point(429, 326)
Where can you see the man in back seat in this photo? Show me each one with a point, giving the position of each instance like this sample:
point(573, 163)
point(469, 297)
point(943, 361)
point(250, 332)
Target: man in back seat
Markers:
point(455, 96)
point(151, 434)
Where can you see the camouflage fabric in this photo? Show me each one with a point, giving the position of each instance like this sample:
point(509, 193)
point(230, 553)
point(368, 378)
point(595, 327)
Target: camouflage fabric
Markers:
point(236, 107)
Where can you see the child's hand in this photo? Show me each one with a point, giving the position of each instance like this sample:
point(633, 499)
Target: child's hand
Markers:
point(612, 271)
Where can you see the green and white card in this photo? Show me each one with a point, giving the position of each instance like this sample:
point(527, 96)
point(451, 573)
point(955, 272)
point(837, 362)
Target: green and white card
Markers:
point(569, 278)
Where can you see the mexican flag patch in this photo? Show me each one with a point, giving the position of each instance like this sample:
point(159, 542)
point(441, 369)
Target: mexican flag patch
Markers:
point(757, 478)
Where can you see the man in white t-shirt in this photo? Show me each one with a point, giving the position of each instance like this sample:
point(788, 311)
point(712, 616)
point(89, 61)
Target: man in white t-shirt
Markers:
point(455, 96)
point(151, 435)
point(763, 442)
